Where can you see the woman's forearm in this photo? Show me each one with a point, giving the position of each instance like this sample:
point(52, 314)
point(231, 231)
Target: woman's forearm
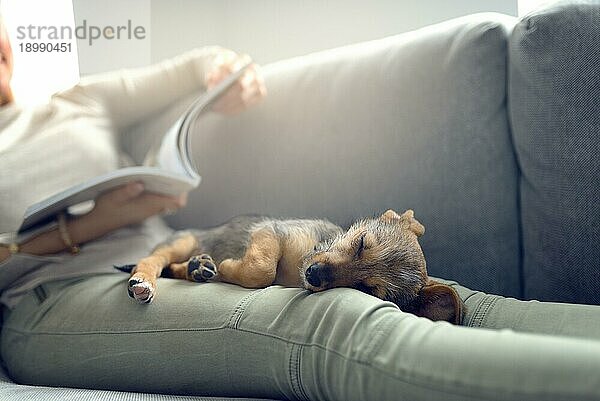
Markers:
point(80, 229)
point(46, 243)
point(133, 94)
point(120, 207)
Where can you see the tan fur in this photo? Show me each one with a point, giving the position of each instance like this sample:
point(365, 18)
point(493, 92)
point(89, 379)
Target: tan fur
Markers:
point(150, 268)
point(258, 266)
point(378, 285)
point(179, 270)
point(293, 251)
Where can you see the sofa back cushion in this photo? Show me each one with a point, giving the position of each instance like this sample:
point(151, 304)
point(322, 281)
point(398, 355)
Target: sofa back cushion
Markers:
point(415, 121)
point(554, 98)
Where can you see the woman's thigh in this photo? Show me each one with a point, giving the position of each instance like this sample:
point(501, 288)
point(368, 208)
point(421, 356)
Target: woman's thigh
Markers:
point(220, 339)
point(496, 312)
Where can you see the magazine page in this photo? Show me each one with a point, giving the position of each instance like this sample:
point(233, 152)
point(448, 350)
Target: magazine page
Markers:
point(173, 153)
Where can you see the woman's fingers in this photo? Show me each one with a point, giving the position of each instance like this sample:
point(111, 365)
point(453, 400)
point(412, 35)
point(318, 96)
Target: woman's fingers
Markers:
point(131, 200)
point(245, 80)
point(218, 75)
point(244, 93)
point(156, 203)
point(224, 66)
point(150, 204)
point(240, 103)
point(228, 100)
point(130, 204)
point(122, 194)
point(248, 90)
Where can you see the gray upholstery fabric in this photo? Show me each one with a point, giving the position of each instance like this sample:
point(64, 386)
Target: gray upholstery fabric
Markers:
point(415, 121)
point(554, 98)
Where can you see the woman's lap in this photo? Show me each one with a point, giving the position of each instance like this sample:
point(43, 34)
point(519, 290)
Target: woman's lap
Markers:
point(220, 339)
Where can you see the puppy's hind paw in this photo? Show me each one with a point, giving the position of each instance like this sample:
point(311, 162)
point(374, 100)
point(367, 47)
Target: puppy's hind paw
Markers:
point(140, 290)
point(201, 268)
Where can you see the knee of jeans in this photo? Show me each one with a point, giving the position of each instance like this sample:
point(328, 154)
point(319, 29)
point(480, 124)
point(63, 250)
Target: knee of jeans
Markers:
point(325, 318)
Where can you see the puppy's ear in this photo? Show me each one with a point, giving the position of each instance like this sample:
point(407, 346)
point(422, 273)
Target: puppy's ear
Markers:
point(412, 224)
point(390, 215)
point(407, 219)
point(437, 301)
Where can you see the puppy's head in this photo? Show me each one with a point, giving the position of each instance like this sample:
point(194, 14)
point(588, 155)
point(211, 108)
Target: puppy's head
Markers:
point(382, 257)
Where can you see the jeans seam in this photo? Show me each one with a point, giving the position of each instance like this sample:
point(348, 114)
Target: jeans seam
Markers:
point(376, 340)
point(240, 308)
point(481, 311)
point(295, 372)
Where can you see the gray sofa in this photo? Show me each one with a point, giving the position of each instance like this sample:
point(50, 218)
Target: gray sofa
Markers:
point(487, 126)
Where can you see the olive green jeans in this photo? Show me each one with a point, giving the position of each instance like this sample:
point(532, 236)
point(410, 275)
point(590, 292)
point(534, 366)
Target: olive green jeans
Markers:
point(285, 343)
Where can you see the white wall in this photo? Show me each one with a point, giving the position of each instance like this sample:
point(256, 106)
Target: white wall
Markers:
point(104, 54)
point(268, 30)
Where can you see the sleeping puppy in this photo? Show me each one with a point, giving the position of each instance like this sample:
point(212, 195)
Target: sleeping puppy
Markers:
point(380, 256)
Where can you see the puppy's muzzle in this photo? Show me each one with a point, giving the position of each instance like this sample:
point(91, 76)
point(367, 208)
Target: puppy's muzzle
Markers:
point(317, 274)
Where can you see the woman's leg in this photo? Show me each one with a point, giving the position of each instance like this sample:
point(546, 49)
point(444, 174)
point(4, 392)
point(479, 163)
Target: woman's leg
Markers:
point(496, 312)
point(220, 339)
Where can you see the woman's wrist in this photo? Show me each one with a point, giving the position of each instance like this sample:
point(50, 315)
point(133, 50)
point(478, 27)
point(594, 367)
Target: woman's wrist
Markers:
point(77, 230)
point(44, 243)
point(63, 231)
point(88, 227)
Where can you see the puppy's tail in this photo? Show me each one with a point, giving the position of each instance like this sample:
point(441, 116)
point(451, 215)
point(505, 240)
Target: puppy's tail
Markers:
point(124, 268)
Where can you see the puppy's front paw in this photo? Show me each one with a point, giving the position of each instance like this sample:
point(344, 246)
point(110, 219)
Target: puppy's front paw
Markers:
point(201, 268)
point(141, 290)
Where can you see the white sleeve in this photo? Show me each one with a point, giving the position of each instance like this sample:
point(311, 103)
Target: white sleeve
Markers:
point(131, 95)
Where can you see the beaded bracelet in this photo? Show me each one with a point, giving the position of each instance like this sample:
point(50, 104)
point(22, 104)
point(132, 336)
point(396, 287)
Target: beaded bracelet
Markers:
point(64, 234)
point(12, 247)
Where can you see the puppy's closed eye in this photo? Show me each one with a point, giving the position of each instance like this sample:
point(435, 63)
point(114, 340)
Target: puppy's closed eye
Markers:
point(360, 246)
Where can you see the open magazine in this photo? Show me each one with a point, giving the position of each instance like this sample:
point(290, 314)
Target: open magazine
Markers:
point(168, 168)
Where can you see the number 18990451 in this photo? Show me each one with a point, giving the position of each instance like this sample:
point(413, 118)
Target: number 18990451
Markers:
point(44, 47)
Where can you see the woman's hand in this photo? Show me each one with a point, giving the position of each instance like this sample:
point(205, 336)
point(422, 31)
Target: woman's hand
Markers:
point(247, 91)
point(128, 205)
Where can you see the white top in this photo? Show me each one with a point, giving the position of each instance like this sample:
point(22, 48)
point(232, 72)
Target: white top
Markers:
point(74, 137)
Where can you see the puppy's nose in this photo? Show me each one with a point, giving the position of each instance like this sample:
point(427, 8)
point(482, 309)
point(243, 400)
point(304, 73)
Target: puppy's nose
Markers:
point(313, 274)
